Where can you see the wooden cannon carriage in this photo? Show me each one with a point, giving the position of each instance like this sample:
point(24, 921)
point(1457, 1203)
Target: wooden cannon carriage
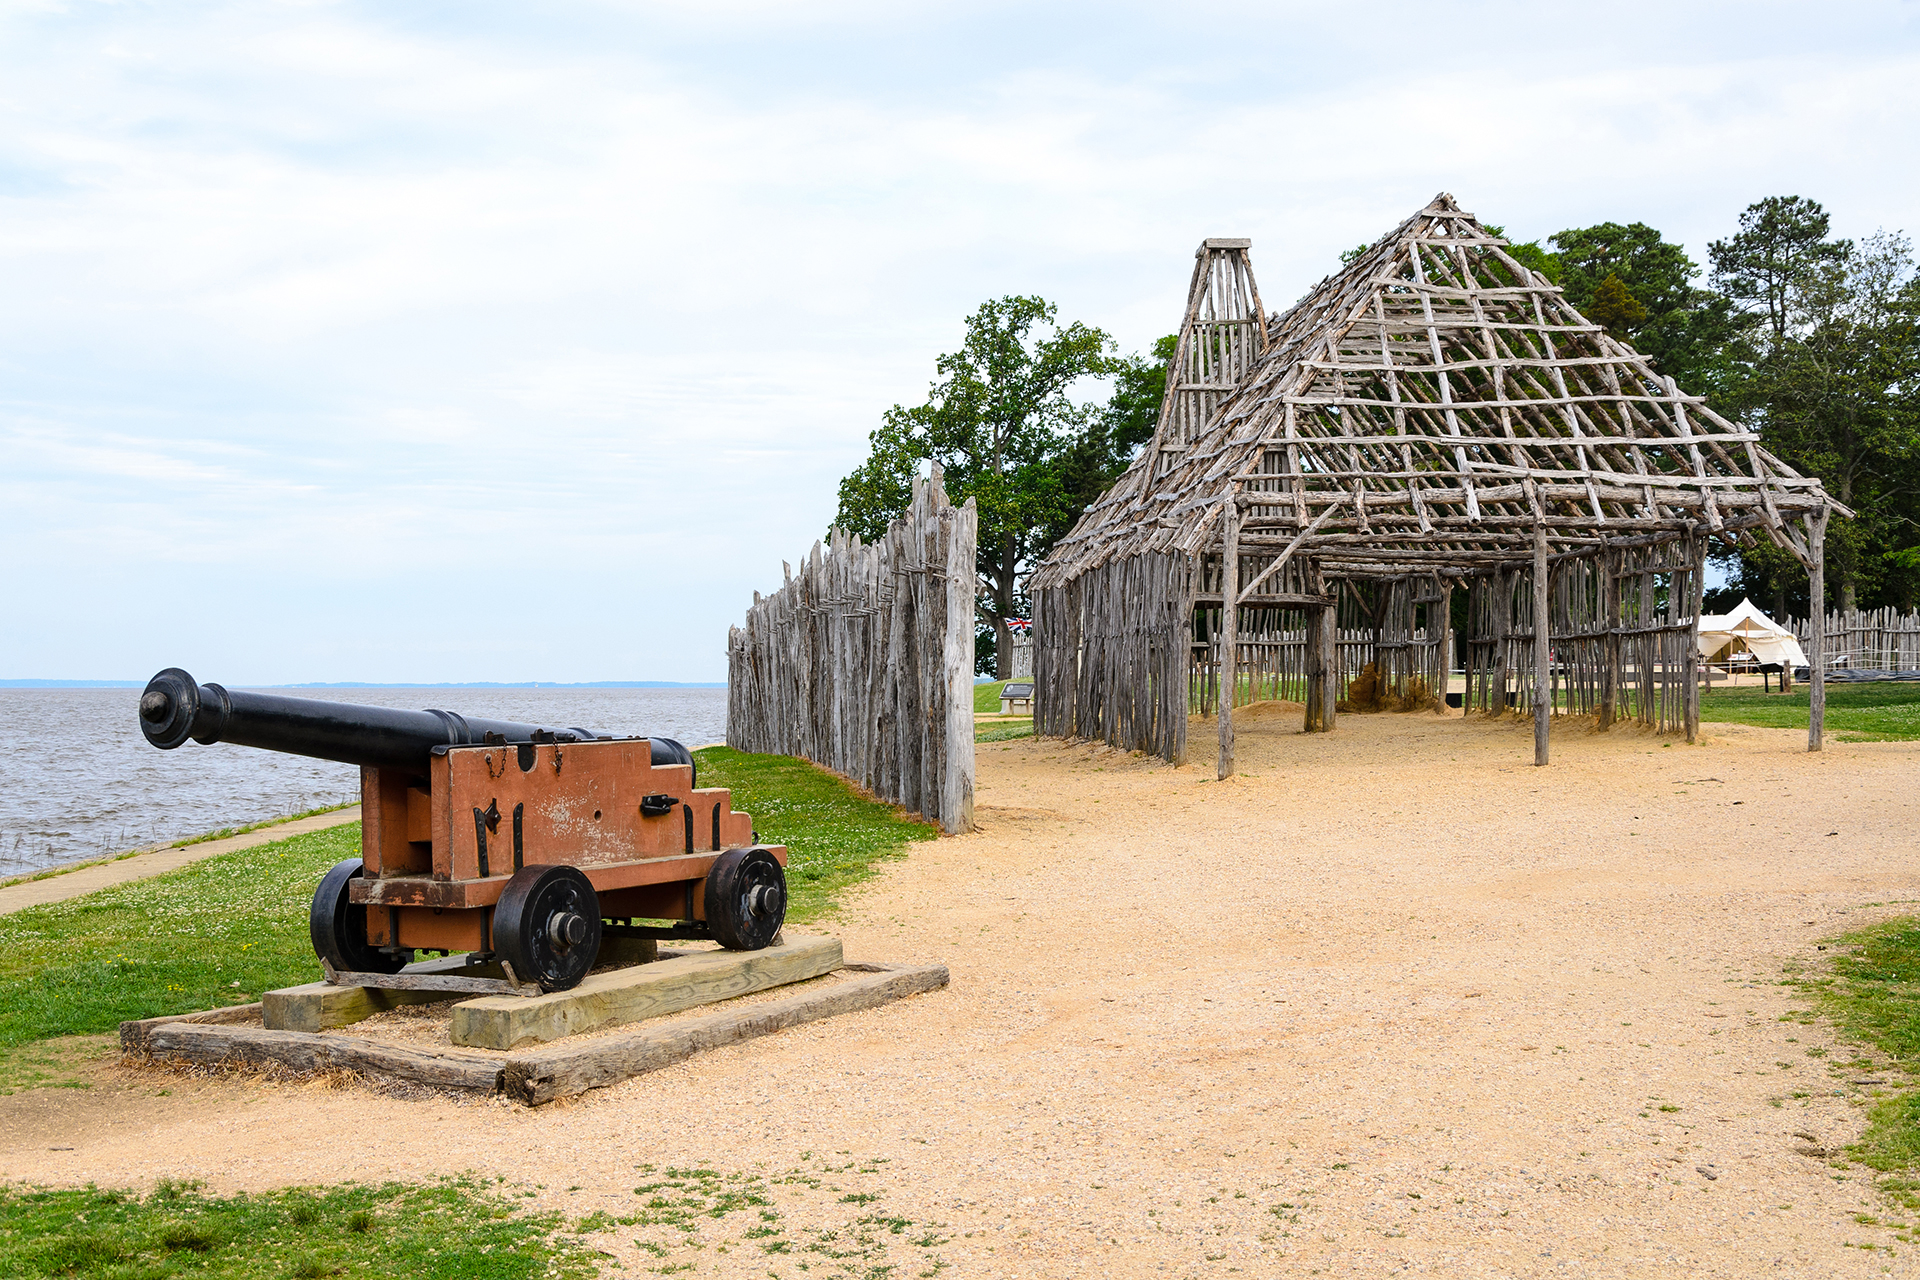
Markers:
point(510, 842)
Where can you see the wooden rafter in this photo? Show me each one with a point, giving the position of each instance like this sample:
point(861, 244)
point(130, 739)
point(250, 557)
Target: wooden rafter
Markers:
point(1449, 400)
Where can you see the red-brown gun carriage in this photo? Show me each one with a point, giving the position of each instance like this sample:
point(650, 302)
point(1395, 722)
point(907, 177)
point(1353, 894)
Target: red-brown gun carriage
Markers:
point(509, 842)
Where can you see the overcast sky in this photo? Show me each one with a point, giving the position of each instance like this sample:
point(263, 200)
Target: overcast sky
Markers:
point(522, 342)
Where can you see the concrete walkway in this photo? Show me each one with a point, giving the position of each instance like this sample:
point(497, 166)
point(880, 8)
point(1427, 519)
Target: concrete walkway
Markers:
point(104, 875)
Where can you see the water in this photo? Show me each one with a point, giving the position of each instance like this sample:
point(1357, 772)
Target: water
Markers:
point(77, 779)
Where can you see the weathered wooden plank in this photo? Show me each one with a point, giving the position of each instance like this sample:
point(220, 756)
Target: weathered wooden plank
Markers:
point(861, 660)
point(134, 1035)
point(956, 798)
point(633, 995)
point(559, 1071)
point(307, 1053)
point(318, 1006)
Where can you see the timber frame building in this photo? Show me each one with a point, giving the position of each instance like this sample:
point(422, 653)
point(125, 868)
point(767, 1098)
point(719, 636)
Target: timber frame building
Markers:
point(1432, 418)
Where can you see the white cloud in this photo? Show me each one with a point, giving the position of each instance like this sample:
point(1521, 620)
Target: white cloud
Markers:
point(349, 289)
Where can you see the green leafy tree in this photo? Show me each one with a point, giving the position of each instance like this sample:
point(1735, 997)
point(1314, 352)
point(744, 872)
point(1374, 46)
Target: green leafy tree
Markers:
point(1782, 243)
point(1612, 307)
point(1093, 460)
point(1001, 423)
point(1682, 328)
point(1826, 368)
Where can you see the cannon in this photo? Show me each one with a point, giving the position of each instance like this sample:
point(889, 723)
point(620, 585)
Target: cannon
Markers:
point(511, 843)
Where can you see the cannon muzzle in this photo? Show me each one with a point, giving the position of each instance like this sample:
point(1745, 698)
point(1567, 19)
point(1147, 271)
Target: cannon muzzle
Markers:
point(174, 708)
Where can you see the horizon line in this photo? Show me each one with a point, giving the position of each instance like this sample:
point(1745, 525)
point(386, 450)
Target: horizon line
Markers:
point(388, 684)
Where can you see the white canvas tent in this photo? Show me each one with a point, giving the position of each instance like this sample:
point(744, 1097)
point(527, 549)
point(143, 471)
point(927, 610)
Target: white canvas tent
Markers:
point(1747, 630)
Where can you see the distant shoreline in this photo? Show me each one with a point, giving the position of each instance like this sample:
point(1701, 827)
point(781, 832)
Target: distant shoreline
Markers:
point(365, 684)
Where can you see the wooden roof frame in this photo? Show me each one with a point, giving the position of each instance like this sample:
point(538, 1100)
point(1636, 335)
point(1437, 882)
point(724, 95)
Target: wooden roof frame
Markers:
point(1429, 408)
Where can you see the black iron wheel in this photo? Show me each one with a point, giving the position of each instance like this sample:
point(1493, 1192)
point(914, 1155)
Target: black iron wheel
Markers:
point(547, 926)
point(339, 928)
point(746, 899)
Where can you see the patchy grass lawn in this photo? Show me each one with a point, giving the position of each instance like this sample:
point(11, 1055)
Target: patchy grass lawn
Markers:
point(986, 697)
point(1870, 991)
point(1003, 730)
point(220, 931)
point(835, 836)
point(443, 1231)
point(1876, 711)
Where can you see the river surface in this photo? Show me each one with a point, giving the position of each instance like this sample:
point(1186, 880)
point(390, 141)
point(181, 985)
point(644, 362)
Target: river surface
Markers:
point(77, 779)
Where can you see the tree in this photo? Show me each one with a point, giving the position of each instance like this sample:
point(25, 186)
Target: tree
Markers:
point(1681, 328)
point(1782, 242)
point(1092, 461)
point(1838, 401)
point(1825, 367)
point(1614, 309)
point(1001, 423)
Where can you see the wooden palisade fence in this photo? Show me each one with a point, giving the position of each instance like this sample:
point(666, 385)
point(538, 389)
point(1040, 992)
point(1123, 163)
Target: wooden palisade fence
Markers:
point(863, 661)
point(1876, 639)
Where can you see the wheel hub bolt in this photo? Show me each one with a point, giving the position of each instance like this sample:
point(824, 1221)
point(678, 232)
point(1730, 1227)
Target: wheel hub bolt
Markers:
point(567, 930)
point(764, 899)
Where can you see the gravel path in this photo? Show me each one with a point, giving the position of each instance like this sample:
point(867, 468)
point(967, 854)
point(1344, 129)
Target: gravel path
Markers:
point(1391, 1001)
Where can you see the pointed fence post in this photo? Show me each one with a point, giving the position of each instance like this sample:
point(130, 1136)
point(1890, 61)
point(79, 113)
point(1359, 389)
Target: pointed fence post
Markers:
point(1542, 642)
point(1229, 627)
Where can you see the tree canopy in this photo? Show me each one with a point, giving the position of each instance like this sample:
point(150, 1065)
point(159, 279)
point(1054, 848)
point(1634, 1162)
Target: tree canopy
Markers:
point(1001, 420)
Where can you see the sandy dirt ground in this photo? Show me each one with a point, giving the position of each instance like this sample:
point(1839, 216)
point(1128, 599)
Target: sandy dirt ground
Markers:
point(1392, 1001)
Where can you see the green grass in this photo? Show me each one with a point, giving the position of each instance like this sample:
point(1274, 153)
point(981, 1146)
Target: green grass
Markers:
point(220, 931)
point(1003, 730)
point(450, 1229)
point(1870, 991)
point(224, 832)
point(1879, 711)
point(986, 697)
point(834, 835)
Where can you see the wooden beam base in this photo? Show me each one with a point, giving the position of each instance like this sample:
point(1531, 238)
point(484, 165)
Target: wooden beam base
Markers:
point(558, 1071)
point(632, 995)
point(532, 1076)
point(321, 1006)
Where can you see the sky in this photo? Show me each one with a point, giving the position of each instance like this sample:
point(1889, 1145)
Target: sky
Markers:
point(468, 341)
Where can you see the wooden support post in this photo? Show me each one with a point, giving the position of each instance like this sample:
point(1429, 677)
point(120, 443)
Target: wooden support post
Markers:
point(1542, 643)
point(1502, 626)
point(1229, 628)
point(1321, 657)
point(1817, 633)
point(1610, 646)
point(1697, 562)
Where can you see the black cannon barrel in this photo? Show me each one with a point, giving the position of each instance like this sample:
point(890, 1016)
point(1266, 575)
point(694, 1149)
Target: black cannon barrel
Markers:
point(175, 707)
